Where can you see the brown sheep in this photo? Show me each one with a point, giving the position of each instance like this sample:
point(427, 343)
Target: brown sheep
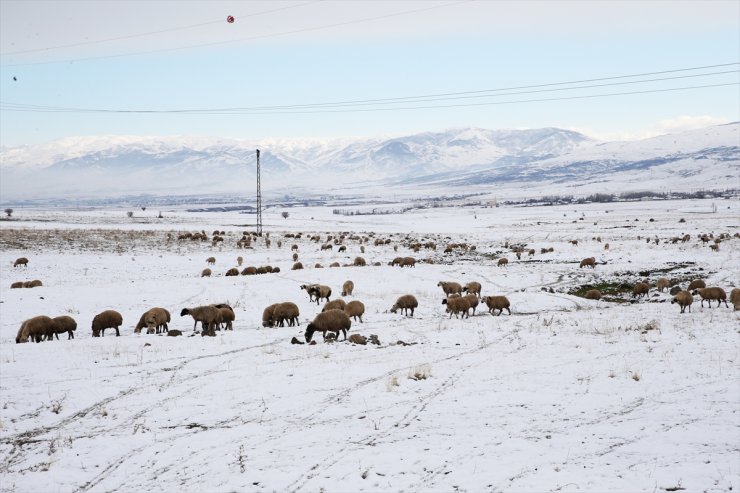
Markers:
point(457, 305)
point(472, 300)
point(334, 264)
point(735, 298)
point(286, 311)
point(297, 266)
point(227, 316)
point(249, 271)
point(16, 285)
point(359, 262)
point(108, 319)
point(593, 294)
point(337, 304)
point(347, 288)
point(588, 262)
point(154, 319)
point(358, 339)
point(232, 272)
point(355, 309)
point(295, 257)
point(329, 321)
point(450, 287)
point(36, 329)
point(408, 262)
point(663, 283)
point(502, 262)
point(473, 288)
point(206, 273)
point(606, 246)
point(268, 319)
point(696, 284)
point(64, 323)
point(32, 284)
point(239, 261)
point(211, 260)
point(20, 261)
point(318, 292)
point(209, 316)
point(499, 303)
point(640, 289)
point(406, 302)
point(710, 294)
point(684, 299)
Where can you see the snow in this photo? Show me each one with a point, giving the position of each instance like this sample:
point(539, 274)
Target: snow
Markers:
point(565, 394)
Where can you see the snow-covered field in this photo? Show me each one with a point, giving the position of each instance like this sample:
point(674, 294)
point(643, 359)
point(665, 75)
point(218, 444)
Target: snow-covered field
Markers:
point(566, 394)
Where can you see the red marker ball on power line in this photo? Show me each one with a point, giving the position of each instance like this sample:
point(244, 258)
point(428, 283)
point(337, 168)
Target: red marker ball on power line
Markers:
point(230, 19)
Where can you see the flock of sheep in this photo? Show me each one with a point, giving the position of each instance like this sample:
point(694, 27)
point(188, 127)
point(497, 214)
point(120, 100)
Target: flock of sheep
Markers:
point(337, 315)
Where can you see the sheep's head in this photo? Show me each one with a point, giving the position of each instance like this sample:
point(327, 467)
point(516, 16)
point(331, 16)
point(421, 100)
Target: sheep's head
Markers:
point(184, 312)
point(444, 301)
point(394, 308)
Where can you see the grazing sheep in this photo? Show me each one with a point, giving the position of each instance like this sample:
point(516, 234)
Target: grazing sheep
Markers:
point(295, 257)
point(334, 264)
point(588, 262)
point(347, 288)
point(16, 285)
point(358, 339)
point(696, 284)
point(684, 299)
point(329, 321)
point(606, 246)
point(319, 292)
point(275, 270)
point(64, 323)
point(502, 262)
point(227, 316)
point(268, 319)
point(457, 304)
point(297, 266)
point(574, 242)
point(359, 262)
point(108, 319)
point(355, 309)
point(154, 319)
point(408, 262)
point(32, 284)
point(473, 288)
point(249, 271)
point(710, 294)
point(326, 246)
point(499, 303)
point(640, 289)
point(232, 272)
point(286, 311)
point(211, 260)
point(239, 261)
point(735, 298)
point(406, 302)
point(307, 288)
point(593, 294)
point(337, 304)
point(20, 261)
point(209, 316)
point(206, 273)
point(450, 287)
point(36, 329)
point(663, 283)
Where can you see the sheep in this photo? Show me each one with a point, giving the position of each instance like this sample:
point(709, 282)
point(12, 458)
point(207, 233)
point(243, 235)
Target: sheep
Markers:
point(499, 303)
point(684, 299)
point(640, 289)
point(588, 262)
point(502, 262)
point(275, 270)
point(297, 266)
point(696, 284)
point(359, 262)
point(329, 321)
point(16, 285)
point(232, 272)
point(227, 316)
point(21, 261)
point(710, 294)
point(64, 323)
point(249, 271)
point(36, 329)
point(32, 284)
point(355, 309)
point(286, 311)
point(268, 316)
point(319, 292)
point(473, 288)
point(593, 294)
point(358, 339)
point(662, 284)
point(209, 316)
point(206, 273)
point(108, 319)
point(239, 261)
point(335, 264)
point(472, 300)
point(211, 260)
point(406, 302)
point(307, 288)
point(408, 262)
point(455, 305)
point(155, 319)
point(294, 247)
point(450, 287)
point(347, 288)
point(337, 304)
point(735, 298)
point(574, 242)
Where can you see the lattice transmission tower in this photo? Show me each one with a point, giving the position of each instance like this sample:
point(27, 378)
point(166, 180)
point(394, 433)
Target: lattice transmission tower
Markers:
point(259, 197)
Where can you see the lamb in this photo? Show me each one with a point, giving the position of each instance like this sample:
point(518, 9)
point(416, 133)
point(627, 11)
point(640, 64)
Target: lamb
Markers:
point(355, 309)
point(64, 323)
point(108, 319)
point(154, 319)
point(16, 285)
point(640, 289)
point(710, 294)
point(502, 262)
point(499, 303)
point(329, 321)
point(735, 298)
point(308, 289)
point(696, 284)
point(457, 305)
point(337, 304)
point(662, 284)
point(211, 260)
point(286, 311)
point(473, 288)
point(21, 261)
point(36, 329)
point(406, 302)
point(232, 272)
point(319, 292)
point(209, 316)
point(684, 299)
point(450, 287)
point(206, 273)
point(32, 284)
point(347, 288)
point(268, 319)
point(593, 294)
point(588, 262)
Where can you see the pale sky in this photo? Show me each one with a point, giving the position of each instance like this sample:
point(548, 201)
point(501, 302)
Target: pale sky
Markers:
point(182, 55)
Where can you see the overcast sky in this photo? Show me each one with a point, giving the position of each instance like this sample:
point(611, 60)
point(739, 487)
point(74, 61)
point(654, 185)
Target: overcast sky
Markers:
point(182, 55)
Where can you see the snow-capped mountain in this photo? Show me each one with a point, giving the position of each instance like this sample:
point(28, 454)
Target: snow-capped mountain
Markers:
point(124, 165)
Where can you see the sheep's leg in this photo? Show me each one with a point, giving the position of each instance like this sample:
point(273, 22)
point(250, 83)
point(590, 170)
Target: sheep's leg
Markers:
point(360, 317)
point(118, 333)
point(344, 331)
point(728, 306)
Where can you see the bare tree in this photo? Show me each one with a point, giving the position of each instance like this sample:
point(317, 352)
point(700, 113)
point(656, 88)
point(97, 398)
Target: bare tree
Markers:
point(9, 211)
point(130, 213)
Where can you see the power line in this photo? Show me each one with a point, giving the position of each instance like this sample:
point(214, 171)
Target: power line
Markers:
point(239, 40)
point(152, 33)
